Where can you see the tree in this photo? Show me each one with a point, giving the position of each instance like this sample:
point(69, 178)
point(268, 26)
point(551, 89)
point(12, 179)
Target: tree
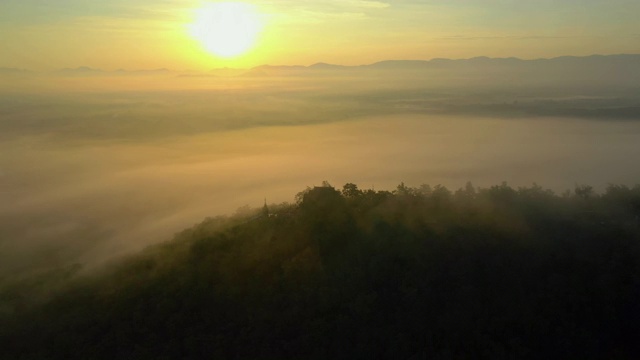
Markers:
point(300, 196)
point(405, 190)
point(502, 193)
point(351, 190)
point(584, 191)
point(466, 194)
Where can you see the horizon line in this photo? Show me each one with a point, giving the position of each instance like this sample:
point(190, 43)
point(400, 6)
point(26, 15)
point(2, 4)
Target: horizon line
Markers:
point(319, 63)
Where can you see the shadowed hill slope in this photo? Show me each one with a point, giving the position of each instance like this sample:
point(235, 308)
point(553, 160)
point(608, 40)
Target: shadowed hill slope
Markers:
point(409, 274)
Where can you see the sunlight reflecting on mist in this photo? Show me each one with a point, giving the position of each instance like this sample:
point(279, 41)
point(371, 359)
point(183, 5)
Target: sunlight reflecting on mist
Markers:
point(91, 201)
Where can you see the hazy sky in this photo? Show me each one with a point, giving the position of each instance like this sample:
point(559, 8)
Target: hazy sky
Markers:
point(135, 34)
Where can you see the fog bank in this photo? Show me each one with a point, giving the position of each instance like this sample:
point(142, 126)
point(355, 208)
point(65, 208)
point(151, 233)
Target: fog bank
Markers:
point(87, 201)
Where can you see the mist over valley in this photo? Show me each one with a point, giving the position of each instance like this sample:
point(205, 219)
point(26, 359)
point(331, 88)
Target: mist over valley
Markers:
point(97, 166)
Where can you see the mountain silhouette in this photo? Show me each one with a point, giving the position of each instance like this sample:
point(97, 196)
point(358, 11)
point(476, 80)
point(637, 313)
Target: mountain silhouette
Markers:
point(623, 67)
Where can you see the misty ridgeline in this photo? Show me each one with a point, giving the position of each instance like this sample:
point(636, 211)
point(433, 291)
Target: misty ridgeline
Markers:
point(414, 273)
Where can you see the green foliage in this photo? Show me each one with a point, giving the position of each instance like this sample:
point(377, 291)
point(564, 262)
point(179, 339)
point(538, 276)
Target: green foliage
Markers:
point(351, 190)
point(415, 273)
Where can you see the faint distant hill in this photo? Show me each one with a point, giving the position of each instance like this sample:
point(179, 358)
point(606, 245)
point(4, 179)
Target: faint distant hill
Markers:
point(441, 63)
point(13, 71)
point(481, 61)
point(279, 69)
point(325, 66)
point(162, 71)
point(623, 68)
point(293, 70)
point(80, 71)
point(85, 71)
point(586, 71)
point(625, 61)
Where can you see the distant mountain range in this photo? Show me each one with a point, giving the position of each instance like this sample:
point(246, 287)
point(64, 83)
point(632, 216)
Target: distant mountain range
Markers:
point(12, 71)
point(604, 65)
point(594, 60)
point(481, 60)
point(87, 71)
point(612, 69)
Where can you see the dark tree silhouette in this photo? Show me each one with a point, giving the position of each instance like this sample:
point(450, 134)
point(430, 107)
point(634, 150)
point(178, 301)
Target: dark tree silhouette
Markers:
point(420, 273)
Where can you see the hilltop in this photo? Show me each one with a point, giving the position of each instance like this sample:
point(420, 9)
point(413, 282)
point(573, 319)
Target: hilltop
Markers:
point(406, 274)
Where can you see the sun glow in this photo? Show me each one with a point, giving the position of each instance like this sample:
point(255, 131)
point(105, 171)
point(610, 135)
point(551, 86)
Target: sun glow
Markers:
point(227, 29)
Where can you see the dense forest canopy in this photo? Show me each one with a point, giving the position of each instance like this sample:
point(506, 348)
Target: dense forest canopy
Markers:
point(413, 273)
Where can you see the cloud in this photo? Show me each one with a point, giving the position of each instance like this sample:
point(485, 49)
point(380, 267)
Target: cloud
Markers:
point(369, 4)
point(526, 37)
point(39, 12)
point(301, 11)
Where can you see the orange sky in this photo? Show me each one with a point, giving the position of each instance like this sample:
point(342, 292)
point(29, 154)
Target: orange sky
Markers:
point(144, 34)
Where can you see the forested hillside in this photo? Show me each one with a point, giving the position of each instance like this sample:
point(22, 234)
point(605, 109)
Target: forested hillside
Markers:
point(414, 273)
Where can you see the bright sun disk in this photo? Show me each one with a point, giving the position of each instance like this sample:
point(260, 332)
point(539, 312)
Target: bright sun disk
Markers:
point(227, 29)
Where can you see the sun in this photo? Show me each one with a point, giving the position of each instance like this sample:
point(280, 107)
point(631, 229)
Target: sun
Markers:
point(227, 29)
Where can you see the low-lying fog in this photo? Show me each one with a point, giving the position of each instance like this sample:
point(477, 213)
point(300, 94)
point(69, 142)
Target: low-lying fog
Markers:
point(87, 176)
